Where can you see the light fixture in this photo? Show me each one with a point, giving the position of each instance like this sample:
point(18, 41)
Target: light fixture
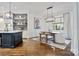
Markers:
point(50, 17)
point(8, 18)
point(8, 15)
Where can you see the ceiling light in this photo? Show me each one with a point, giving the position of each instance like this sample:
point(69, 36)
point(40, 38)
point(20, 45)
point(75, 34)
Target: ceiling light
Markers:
point(50, 17)
point(8, 15)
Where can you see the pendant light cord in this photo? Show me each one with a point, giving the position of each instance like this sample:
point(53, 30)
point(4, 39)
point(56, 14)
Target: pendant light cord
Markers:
point(10, 8)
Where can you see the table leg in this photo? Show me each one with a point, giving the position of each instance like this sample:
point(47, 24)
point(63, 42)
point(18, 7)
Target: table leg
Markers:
point(46, 38)
point(54, 38)
point(40, 37)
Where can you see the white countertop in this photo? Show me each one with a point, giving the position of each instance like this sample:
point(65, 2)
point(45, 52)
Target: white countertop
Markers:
point(14, 31)
point(55, 31)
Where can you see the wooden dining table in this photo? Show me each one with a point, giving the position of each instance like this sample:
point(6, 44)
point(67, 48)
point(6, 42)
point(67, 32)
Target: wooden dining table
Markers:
point(46, 36)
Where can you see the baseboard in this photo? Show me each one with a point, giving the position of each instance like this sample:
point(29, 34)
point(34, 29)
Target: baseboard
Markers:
point(33, 37)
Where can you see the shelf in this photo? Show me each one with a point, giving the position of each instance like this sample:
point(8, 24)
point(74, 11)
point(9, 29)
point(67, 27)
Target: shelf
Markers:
point(58, 23)
point(21, 25)
point(20, 21)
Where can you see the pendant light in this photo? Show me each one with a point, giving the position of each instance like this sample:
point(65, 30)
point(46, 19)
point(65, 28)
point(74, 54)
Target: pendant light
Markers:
point(50, 17)
point(8, 18)
point(8, 14)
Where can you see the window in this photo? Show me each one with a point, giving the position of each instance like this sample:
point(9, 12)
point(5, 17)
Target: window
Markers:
point(58, 24)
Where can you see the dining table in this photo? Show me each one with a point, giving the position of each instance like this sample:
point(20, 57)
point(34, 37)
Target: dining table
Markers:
point(46, 34)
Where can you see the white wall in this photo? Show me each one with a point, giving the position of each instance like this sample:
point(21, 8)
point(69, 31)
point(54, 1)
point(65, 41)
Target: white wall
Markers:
point(46, 26)
point(74, 42)
point(78, 26)
point(1, 24)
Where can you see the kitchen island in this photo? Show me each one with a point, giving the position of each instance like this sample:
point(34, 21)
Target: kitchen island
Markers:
point(10, 39)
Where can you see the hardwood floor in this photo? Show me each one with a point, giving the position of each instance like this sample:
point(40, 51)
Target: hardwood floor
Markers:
point(34, 48)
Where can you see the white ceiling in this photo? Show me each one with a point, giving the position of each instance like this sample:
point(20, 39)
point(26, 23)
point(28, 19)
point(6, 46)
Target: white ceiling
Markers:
point(35, 7)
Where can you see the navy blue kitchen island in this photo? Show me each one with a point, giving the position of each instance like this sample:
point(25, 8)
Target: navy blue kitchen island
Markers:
point(10, 39)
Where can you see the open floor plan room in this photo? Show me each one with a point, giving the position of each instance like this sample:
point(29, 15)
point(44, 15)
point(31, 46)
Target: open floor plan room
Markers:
point(39, 28)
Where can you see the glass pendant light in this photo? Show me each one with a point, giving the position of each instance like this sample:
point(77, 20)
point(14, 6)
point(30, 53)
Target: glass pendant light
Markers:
point(8, 18)
point(50, 17)
point(8, 15)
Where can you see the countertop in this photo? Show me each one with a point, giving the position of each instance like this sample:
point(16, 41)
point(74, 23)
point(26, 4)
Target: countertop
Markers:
point(14, 31)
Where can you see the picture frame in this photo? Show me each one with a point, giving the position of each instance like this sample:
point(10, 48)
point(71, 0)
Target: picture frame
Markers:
point(36, 23)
